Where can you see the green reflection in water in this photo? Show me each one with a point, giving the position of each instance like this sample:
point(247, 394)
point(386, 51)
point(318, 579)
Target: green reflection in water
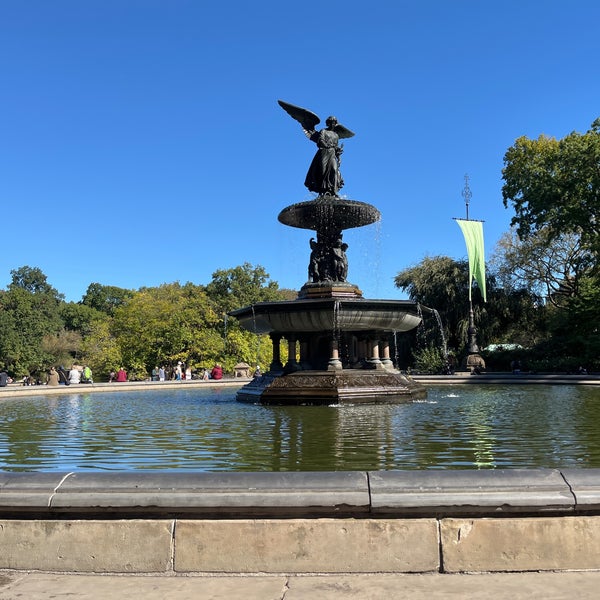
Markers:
point(456, 427)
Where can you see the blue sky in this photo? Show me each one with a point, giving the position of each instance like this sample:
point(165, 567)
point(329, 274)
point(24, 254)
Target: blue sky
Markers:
point(141, 140)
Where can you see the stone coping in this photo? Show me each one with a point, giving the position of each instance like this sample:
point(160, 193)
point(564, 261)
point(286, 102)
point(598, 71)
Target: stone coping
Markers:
point(357, 494)
point(18, 390)
point(508, 379)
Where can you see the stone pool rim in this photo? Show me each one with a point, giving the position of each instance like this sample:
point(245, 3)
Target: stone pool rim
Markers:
point(15, 390)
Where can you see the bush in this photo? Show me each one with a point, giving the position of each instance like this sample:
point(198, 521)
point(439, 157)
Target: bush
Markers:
point(430, 360)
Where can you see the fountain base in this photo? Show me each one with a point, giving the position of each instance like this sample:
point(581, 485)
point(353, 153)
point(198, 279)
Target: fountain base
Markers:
point(347, 386)
point(338, 289)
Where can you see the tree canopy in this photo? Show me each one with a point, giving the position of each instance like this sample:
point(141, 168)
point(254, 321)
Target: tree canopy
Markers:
point(555, 185)
point(137, 329)
point(441, 282)
point(29, 316)
point(550, 267)
point(554, 188)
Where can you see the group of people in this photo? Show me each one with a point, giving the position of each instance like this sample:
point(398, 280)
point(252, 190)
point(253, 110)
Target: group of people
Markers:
point(83, 374)
point(181, 372)
point(76, 374)
point(119, 376)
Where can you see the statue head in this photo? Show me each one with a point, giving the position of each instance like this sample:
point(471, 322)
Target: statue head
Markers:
point(331, 121)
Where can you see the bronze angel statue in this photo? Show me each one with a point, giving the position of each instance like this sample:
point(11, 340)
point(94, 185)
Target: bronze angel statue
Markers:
point(323, 175)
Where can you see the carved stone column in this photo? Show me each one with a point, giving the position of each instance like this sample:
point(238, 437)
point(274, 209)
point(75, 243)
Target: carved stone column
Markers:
point(304, 352)
point(384, 348)
point(276, 365)
point(361, 353)
point(374, 359)
point(292, 364)
point(335, 364)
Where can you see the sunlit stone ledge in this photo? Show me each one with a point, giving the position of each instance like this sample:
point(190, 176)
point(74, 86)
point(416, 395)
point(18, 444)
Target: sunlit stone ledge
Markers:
point(419, 493)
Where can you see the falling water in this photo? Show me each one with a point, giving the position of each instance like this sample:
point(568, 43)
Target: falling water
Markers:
point(421, 342)
point(257, 361)
point(442, 334)
point(336, 320)
point(421, 329)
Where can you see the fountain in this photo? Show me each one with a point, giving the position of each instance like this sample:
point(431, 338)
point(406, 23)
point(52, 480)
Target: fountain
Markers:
point(338, 342)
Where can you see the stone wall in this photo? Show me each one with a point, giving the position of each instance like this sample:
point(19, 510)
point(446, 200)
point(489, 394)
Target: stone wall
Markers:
point(342, 522)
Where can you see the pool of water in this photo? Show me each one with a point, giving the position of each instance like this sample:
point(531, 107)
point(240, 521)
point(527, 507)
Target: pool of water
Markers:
point(456, 427)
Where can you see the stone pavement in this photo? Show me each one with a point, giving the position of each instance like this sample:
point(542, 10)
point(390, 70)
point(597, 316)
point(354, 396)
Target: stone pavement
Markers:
point(499, 586)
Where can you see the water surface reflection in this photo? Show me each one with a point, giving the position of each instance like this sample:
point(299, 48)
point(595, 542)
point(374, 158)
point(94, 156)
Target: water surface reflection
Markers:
point(456, 427)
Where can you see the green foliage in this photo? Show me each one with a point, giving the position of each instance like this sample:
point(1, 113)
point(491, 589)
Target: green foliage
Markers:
point(548, 265)
point(29, 312)
point(167, 324)
point(442, 283)
point(555, 184)
point(235, 288)
point(100, 349)
point(554, 188)
point(575, 330)
point(241, 286)
point(79, 317)
point(32, 280)
point(429, 359)
point(62, 348)
point(106, 298)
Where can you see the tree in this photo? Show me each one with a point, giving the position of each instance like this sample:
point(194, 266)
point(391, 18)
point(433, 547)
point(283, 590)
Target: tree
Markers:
point(106, 298)
point(555, 185)
point(441, 283)
point(100, 349)
point(33, 280)
point(241, 286)
point(80, 317)
point(551, 267)
point(554, 188)
point(29, 317)
point(166, 324)
point(235, 288)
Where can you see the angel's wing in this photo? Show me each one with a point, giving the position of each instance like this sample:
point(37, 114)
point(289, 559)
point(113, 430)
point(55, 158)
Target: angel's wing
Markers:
point(307, 119)
point(343, 132)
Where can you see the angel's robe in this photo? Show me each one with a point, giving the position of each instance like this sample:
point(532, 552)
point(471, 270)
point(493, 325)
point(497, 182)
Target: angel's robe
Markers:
point(323, 174)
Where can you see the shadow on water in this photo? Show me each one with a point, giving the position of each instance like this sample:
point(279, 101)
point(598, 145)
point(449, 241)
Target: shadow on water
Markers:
point(456, 427)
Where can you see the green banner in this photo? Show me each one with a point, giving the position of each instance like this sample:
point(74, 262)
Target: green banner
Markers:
point(473, 232)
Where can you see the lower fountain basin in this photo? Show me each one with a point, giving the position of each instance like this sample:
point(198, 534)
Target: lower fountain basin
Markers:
point(349, 386)
point(329, 314)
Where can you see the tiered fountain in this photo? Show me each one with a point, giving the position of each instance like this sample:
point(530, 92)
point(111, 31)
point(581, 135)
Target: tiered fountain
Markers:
point(338, 342)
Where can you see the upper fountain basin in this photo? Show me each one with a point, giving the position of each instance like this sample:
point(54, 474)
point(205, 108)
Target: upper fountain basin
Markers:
point(331, 212)
point(329, 314)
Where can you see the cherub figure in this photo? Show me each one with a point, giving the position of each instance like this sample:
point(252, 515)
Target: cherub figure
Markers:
point(323, 175)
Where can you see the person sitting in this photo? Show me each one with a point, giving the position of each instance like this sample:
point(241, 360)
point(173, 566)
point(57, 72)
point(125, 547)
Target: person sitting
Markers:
point(3, 378)
point(87, 375)
point(121, 375)
point(217, 372)
point(74, 375)
point(63, 376)
point(52, 377)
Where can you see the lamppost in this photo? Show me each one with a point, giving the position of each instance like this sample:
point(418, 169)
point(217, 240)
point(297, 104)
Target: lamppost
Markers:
point(472, 347)
point(473, 232)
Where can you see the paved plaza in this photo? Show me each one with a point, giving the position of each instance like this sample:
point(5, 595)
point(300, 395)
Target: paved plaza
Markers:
point(509, 586)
